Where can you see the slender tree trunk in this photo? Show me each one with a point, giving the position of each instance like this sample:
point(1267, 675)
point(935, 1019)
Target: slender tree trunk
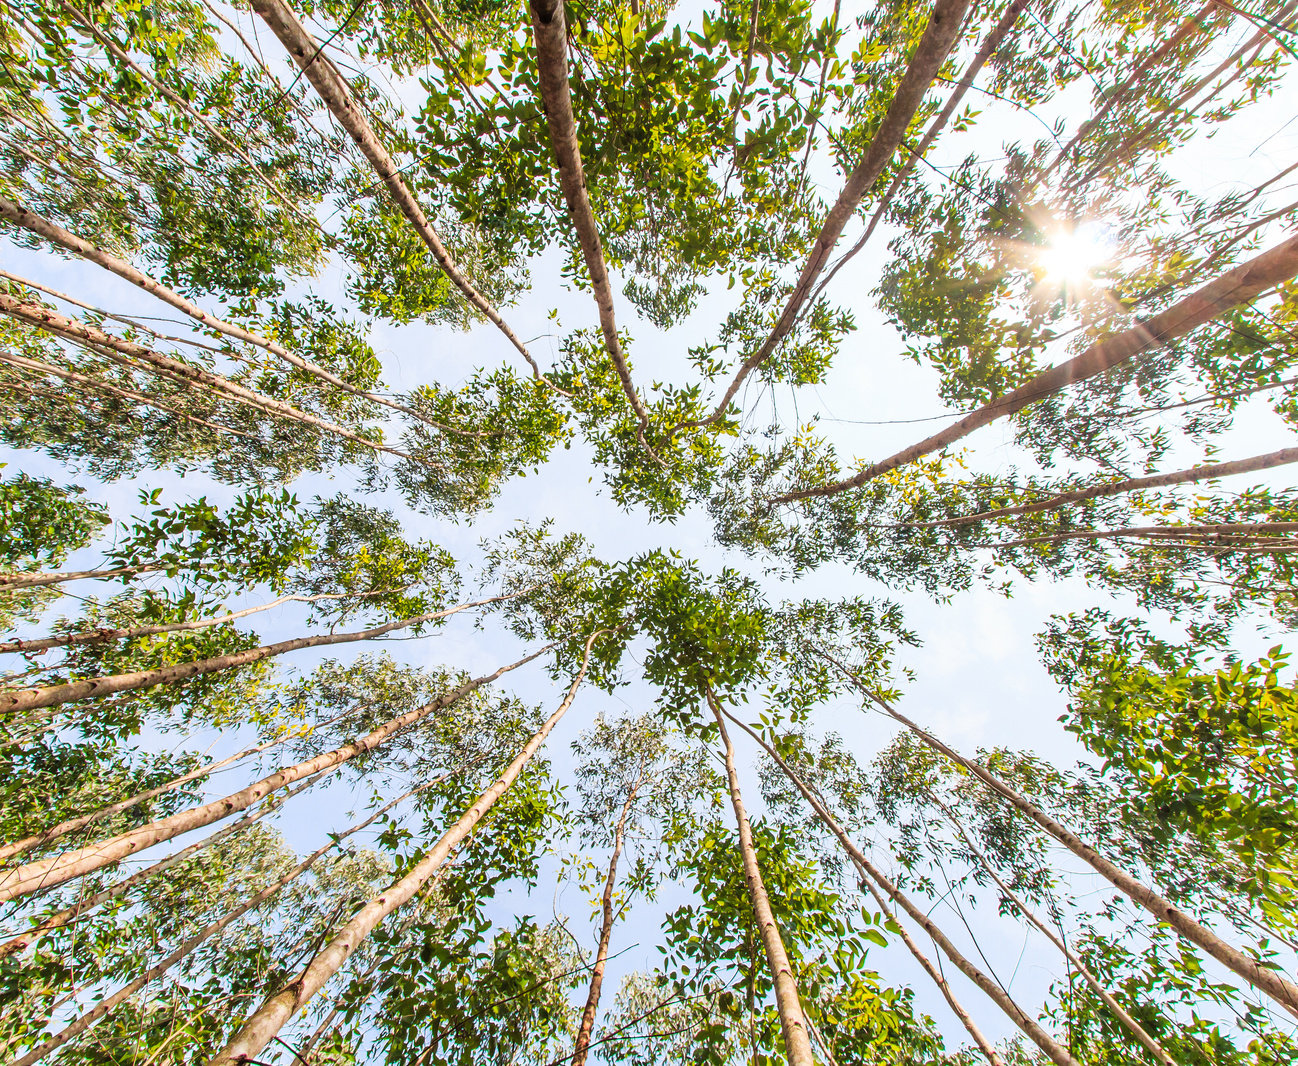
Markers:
point(1206, 472)
point(81, 1024)
point(1189, 26)
point(797, 1044)
point(1273, 984)
point(84, 383)
point(989, 46)
point(1134, 1027)
point(265, 1024)
point(96, 687)
point(931, 52)
point(871, 876)
point(333, 90)
point(1217, 536)
point(550, 32)
point(56, 234)
point(733, 125)
point(71, 825)
point(582, 1045)
point(1237, 286)
point(47, 873)
point(87, 23)
point(15, 582)
point(102, 633)
point(123, 351)
point(984, 1045)
point(76, 911)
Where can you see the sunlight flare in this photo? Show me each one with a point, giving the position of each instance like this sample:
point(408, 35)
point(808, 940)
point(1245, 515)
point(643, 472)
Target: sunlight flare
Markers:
point(1074, 255)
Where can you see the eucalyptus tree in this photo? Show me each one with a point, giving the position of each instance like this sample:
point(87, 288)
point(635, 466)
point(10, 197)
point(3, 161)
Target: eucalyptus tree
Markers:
point(637, 785)
point(1201, 745)
point(418, 157)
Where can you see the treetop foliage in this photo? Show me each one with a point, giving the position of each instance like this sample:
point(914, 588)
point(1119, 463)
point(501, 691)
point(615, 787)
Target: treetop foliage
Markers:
point(708, 261)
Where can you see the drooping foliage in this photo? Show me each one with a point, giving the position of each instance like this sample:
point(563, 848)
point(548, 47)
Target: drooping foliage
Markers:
point(331, 322)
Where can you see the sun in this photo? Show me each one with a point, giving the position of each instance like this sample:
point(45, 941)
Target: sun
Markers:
point(1073, 255)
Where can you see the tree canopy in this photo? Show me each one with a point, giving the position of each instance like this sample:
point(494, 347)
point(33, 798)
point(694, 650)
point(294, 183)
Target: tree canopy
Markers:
point(855, 314)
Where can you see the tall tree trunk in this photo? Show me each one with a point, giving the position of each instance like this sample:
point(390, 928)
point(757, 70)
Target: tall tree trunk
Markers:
point(984, 1045)
point(14, 582)
point(989, 46)
point(85, 1021)
point(85, 383)
point(50, 231)
point(1282, 991)
point(1215, 536)
point(264, 1025)
point(1206, 472)
point(1134, 1027)
point(332, 88)
point(584, 1030)
point(1231, 289)
point(96, 687)
point(48, 873)
point(797, 1044)
point(130, 354)
point(550, 32)
point(88, 24)
point(1190, 25)
point(71, 825)
point(83, 906)
point(872, 875)
point(100, 634)
point(939, 36)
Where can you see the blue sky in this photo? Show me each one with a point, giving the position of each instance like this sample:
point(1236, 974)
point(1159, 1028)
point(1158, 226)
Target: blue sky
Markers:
point(978, 679)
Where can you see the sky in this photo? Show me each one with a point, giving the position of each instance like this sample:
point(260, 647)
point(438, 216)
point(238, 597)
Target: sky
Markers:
point(978, 680)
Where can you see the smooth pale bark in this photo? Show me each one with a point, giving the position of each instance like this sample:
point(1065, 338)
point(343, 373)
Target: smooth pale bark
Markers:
point(303, 1052)
point(100, 634)
point(871, 876)
point(47, 873)
point(264, 1025)
point(1134, 1027)
point(1206, 535)
point(85, 1021)
point(993, 41)
point(1273, 984)
point(931, 52)
point(86, 383)
point(27, 699)
point(115, 348)
point(1231, 289)
point(85, 905)
point(550, 33)
point(71, 825)
point(793, 1024)
point(13, 582)
point(1207, 472)
point(984, 1045)
point(333, 90)
point(581, 1046)
point(55, 234)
